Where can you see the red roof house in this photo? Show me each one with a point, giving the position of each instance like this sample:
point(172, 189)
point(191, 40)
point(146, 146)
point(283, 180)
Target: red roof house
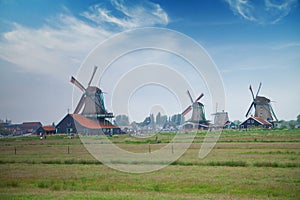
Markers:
point(76, 123)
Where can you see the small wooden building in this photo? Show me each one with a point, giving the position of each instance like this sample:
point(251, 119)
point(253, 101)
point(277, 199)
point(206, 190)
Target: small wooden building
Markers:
point(46, 130)
point(77, 123)
point(255, 122)
point(189, 126)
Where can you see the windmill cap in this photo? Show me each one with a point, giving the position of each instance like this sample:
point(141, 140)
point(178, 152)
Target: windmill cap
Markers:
point(262, 99)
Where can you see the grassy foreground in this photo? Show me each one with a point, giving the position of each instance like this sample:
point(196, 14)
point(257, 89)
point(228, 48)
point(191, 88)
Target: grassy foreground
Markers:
point(258, 164)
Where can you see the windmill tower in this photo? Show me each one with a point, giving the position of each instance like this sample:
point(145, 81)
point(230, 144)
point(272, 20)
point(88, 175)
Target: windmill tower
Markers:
point(91, 103)
point(221, 118)
point(198, 114)
point(262, 106)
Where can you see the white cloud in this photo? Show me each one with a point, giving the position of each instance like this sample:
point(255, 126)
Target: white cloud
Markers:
point(262, 11)
point(65, 40)
point(51, 48)
point(287, 45)
point(132, 16)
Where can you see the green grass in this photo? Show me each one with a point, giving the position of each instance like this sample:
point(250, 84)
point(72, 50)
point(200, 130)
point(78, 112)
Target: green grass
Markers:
point(255, 164)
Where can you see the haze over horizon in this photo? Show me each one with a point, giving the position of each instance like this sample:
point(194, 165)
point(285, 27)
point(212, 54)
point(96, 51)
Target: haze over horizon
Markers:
point(43, 43)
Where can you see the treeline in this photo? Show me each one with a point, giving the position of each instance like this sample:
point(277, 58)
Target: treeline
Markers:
point(158, 120)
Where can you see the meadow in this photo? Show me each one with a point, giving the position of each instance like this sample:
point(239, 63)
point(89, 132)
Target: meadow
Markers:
point(253, 164)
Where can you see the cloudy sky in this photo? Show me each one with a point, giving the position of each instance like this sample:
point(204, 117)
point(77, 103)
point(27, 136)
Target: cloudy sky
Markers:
point(43, 43)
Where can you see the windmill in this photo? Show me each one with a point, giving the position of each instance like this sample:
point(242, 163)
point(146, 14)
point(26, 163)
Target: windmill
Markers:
point(91, 102)
point(198, 114)
point(221, 118)
point(262, 106)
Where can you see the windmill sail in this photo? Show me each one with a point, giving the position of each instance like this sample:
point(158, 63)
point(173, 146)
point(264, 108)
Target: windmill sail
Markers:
point(75, 82)
point(187, 110)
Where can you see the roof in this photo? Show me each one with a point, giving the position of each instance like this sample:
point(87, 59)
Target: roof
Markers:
point(259, 120)
point(92, 124)
point(262, 99)
point(31, 124)
point(262, 121)
point(49, 128)
point(195, 123)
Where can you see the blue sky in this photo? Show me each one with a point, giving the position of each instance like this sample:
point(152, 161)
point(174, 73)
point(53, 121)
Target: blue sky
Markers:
point(43, 43)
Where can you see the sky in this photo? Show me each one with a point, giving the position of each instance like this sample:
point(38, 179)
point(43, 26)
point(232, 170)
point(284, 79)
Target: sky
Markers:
point(44, 43)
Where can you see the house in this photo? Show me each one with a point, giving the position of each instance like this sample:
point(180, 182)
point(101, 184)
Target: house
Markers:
point(46, 130)
point(195, 126)
point(30, 127)
point(24, 128)
point(255, 122)
point(126, 129)
point(230, 125)
point(77, 123)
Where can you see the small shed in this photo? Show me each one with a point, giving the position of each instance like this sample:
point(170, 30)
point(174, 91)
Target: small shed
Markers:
point(46, 130)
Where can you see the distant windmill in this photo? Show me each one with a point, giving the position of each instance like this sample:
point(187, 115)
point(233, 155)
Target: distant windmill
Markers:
point(91, 100)
point(198, 114)
point(262, 106)
point(221, 118)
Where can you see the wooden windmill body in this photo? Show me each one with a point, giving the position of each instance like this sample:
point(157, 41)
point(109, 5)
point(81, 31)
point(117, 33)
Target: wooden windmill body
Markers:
point(221, 118)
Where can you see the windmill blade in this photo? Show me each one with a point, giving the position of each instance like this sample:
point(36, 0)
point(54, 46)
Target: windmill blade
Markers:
point(187, 110)
point(249, 109)
point(75, 82)
point(80, 104)
point(258, 89)
point(201, 95)
point(250, 88)
point(95, 69)
point(273, 112)
point(188, 92)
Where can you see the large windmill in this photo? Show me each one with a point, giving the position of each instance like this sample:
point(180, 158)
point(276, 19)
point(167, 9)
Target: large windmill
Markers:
point(91, 103)
point(262, 106)
point(198, 114)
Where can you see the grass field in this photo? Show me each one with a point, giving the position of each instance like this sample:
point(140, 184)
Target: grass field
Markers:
point(257, 164)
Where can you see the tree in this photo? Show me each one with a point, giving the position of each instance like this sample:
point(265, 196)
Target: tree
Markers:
point(298, 118)
point(121, 120)
point(177, 119)
point(152, 121)
point(292, 125)
point(3, 131)
point(237, 122)
point(163, 120)
point(158, 118)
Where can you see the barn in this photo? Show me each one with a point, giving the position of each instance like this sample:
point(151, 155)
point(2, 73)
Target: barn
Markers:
point(77, 123)
point(255, 122)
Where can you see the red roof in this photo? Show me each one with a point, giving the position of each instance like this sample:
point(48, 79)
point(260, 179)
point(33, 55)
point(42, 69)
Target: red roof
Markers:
point(49, 128)
point(92, 124)
point(262, 121)
point(31, 124)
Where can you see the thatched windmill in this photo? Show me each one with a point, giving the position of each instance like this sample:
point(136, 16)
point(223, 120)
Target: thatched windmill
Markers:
point(262, 106)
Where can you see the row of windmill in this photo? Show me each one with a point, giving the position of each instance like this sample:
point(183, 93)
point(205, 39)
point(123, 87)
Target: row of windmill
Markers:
point(91, 105)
